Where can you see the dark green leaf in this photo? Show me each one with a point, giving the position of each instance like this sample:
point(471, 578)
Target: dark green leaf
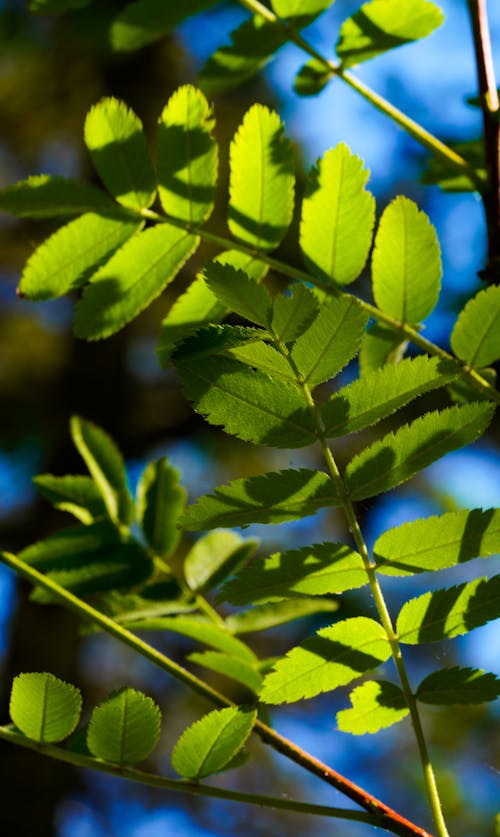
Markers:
point(451, 686)
point(43, 707)
point(214, 557)
point(376, 705)
point(199, 629)
point(160, 503)
point(76, 495)
point(476, 336)
point(232, 667)
point(239, 292)
point(446, 175)
point(209, 745)
point(381, 345)
point(145, 21)
point(125, 728)
point(293, 312)
point(48, 196)
point(55, 7)
point(267, 616)
point(312, 78)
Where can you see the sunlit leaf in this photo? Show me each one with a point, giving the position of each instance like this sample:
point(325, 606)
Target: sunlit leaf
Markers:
point(476, 336)
point(143, 21)
point(238, 292)
point(125, 728)
point(264, 617)
point(451, 686)
point(215, 556)
point(300, 10)
point(376, 705)
point(160, 503)
point(76, 495)
point(293, 313)
point(198, 628)
point(43, 707)
point(381, 345)
point(265, 358)
point(48, 196)
point(209, 745)
point(230, 666)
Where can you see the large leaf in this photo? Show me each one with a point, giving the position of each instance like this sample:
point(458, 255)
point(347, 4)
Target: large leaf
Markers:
point(381, 345)
point(47, 196)
point(187, 156)
point(476, 336)
point(240, 670)
point(43, 707)
point(451, 686)
point(114, 137)
point(399, 455)
point(261, 184)
point(331, 341)
point(144, 21)
point(125, 728)
point(270, 498)
point(293, 312)
point(239, 292)
point(438, 542)
point(209, 745)
point(406, 263)
point(266, 616)
point(198, 628)
point(337, 217)
point(446, 613)
point(77, 495)
point(131, 280)
point(69, 257)
point(160, 503)
point(309, 571)
point(380, 393)
point(214, 557)
point(376, 705)
point(106, 466)
point(334, 657)
point(380, 25)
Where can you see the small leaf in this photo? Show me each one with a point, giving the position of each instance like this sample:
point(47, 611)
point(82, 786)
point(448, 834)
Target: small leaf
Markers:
point(209, 745)
point(76, 495)
point(293, 313)
point(476, 336)
point(214, 557)
point(376, 705)
point(398, 456)
point(381, 345)
point(48, 196)
point(273, 615)
point(131, 280)
point(106, 466)
point(262, 180)
point(406, 263)
point(337, 217)
point(125, 728)
point(187, 156)
point(160, 503)
point(444, 614)
point(144, 21)
point(270, 498)
point(55, 7)
point(43, 707)
point(452, 686)
point(381, 25)
point(232, 667)
point(301, 12)
point(334, 657)
point(312, 78)
point(114, 137)
point(199, 629)
point(265, 358)
point(239, 292)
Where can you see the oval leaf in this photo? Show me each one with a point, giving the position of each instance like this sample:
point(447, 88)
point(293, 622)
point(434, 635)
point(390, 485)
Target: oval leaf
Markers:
point(160, 503)
point(267, 616)
point(144, 21)
point(48, 196)
point(214, 557)
point(209, 745)
point(76, 495)
point(476, 336)
point(452, 686)
point(43, 707)
point(376, 705)
point(125, 728)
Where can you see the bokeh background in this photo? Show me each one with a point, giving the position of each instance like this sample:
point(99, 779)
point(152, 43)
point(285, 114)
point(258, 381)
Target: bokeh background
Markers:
point(51, 72)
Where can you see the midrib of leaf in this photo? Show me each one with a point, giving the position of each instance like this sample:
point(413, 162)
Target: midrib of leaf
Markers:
point(483, 338)
point(425, 550)
point(405, 269)
point(128, 178)
point(123, 726)
point(188, 158)
point(261, 172)
point(327, 345)
point(212, 746)
point(336, 219)
point(44, 709)
point(152, 265)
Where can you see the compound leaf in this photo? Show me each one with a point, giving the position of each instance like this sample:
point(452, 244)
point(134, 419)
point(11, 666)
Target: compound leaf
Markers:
point(239, 292)
point(476, 335)
point(76, 495)
point(234, 668)
point(381, 345)
point(160, 503)
point(48, 196)
point(124, 728)
point(293, 312)
point(43, 707)
point(145, 21)
point(210, 744)
point(214, 557)
point(266, 616)
point(451, 686)
point(376, 705)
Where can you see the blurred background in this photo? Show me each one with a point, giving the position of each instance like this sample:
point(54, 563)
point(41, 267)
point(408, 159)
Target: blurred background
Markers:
point(51, 71)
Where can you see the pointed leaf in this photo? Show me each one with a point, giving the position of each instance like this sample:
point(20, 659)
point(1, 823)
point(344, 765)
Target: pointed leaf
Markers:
point(76, 495)
point(379, 394)
point(267, 616)
point(331, 341)
point(48, 196)
point(265, 358)
point(43, 707)
point(381, 25)
point(106, 466)
point(381, 345)
point(293, 312)
point(131, 280)
point(398, 456)
point(232, 667)
point(451, 686)
point(239, 292)
point(199, 629)
point(438, 542)
point(125, 728)
point(309, 571)
point(337, 217)
point(160, 503)
point(261, 184)
point(270, 498)
point(376, 705)
point(114, 137)
point(406, 263)
point(68, 258)
point(446, 613)
point(476, 336)
point(144, 21)
point(187, 156)
point(334, 657)
point(209, 745)
point(214, 557)
point(312, 78)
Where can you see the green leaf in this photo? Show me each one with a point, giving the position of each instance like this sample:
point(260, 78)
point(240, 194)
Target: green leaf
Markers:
point(247, 403)
point(293, 313)
point(215, 556)
point(439, 171)
point(381, 25)
point(438, 542)
point(55, 7)
point(331, 341)
point(270, 498)
point(261, 186)
point(309, 571)
point(476, 336)
point(68, 258)
point(131, 280)
point(461, 391)
point(376, 705)
point(43, 707)
point(406, 262)
point(337, 217)
point(452, 686)
point(239, 292)
point(381, 345)
point(114, 137)
point(209, 745)
point(232, 667)
point(76, 495)
point(267, 616)
point(265, 358)
point(199, 629)
point(301, 11)
point(48, 196)
point(379, 394)
point(187, 156)
point(444, 614)
point(312, 78)
point(399, 455)
point(160, 503)
point(333, 657)
point(125, 728)
point(106, 466)
point(145, 21)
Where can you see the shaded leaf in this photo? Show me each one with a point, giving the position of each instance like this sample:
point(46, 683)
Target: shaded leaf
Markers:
point(293, 313)
point(376, 705)
point(160, 503)
point(267, 616)
point(439, 171)
point(48, 196)
point(302, 12)
point(215, 556)
point(232, 667)
point(43, 707)
point(265, 358)
point(144, 21)
point(199, 629)
point(312, 78)
point(124, 728)
point(76, 495)
point(381, 345)
point(210, 744)
point(462, 392)
point(451, 686)
point(239, 292)
point(476, 335)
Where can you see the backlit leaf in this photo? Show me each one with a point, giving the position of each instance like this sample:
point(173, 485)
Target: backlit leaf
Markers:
point(199, 629)
point(312, 78)
point(476, 336)
point(43, 707)
point(215, 556)
point(238, 292)
point(124, 728)
point(232, 667)
point(266, 616)
point(376, 705)
point(160, 503)
point(293, 313)
point(47, 196)
point(209, 745)
point(451, 686)
point(76, 495)
point(265, 358)
point(143, 21)
point(300, 10)
point(381, 345)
